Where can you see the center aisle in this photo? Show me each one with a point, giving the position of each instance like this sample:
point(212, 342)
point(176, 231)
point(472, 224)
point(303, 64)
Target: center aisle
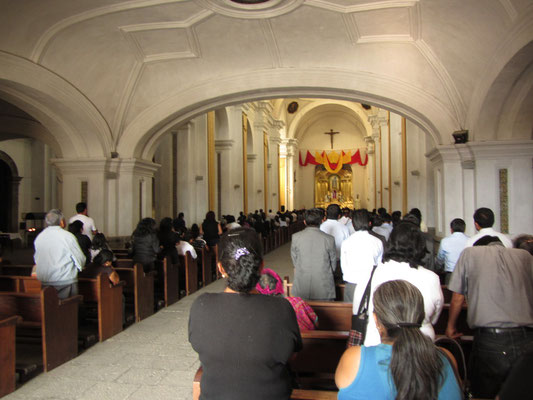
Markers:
point(151, 359)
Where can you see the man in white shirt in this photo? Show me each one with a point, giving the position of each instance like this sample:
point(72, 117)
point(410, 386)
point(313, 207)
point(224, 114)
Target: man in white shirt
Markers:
point(483, 221)
point(359, 253)
point(58, 256)
point(333, 227)
point(451, 248)
point(89, 228)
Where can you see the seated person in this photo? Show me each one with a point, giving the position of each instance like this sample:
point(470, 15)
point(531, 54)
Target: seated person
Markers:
point(101, 263)
point(99, 243)
point(270, 283)
point(76, 228)
point(183, 246)
point(406, 364)
point(244, 340)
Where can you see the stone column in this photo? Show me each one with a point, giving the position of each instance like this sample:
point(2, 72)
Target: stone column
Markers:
point(252, 184)
point(292, 151)
point(230, 202)
point(273, 172)
point(370, 200)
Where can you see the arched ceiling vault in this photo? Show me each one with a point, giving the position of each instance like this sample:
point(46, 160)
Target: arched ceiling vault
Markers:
point(114, 75)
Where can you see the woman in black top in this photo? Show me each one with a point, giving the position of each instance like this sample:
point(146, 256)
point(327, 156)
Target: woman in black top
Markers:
point(168, 239)
point(145, 245)
point(211, 229)
point(76, 228)
point(244, 339)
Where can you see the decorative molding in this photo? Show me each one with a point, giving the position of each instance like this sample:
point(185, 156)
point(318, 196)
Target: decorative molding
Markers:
point(251, 157)
point(268, 9)
point(45, 39)
point(224, 144)
point(509, 9)
point(271, 42)
point(363, 6)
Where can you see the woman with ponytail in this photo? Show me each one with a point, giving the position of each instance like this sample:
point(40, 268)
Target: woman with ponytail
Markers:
point(244, 339)
point(406, 365)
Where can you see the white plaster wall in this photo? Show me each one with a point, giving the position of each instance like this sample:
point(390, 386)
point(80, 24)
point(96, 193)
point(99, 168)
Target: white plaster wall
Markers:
point(417, 173)
point(396, 188)
point(164, 184)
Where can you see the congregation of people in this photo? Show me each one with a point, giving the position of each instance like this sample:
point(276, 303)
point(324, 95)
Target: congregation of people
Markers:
point(246, 336)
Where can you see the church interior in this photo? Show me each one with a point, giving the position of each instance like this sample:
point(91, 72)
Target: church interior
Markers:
point(149, 108)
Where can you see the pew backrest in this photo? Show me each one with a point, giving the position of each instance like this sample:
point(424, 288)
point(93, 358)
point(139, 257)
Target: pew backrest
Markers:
point(7, 352)
point(141, 286)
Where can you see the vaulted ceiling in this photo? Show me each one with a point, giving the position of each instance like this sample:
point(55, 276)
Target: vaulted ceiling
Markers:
point(115, 75)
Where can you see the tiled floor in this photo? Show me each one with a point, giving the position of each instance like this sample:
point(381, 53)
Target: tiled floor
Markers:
point(149, 360)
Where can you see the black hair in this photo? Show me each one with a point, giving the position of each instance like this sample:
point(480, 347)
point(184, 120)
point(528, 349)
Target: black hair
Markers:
point(210, 216)
point(313, 217)
point(416, 367)
point(396, 217)
point(333, 211)
point(360, 220)
point(382, 210)
point(230, 219)
point(416, 212)
point(386, 217)
point(406, 244)
point(103, 256)
point(412, 219)
point(524, 242)
point(484, 217)
point(144, 227)
point(75, 227)
point(195, 231)
point(377, 220)
point(165, 225)
point(458, 225)
point(486, 240)
point(81, 207)
point(241, 254)
point(99, 241)
point(267, 281)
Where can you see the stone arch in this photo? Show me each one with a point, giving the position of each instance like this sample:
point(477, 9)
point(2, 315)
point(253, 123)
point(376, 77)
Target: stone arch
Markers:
point(432, 116)
point(9, 202)
point(76, 128)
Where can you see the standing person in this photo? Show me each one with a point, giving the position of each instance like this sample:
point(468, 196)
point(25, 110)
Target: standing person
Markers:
point(314, 258)
point(145, 245)
point(402, 259)
point(179, 222)
point(359, 253)
point(483, 221)
point(332, 226)
point(451, 248)
point(89, 228)
point(58, 256)
point(243, 339)
point(497, 282)
point(211, 229)
point(405, 364)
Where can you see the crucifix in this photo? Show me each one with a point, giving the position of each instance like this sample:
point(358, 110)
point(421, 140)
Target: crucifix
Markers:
point(331, 133)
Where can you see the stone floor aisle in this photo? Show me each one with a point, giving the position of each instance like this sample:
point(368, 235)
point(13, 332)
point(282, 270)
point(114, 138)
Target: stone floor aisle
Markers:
point(149, 360)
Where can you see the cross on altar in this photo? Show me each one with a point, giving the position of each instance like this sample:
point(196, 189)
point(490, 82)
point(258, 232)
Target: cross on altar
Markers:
point(331, 133)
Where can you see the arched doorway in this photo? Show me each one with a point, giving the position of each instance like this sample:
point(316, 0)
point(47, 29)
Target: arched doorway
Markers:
point(9, 184)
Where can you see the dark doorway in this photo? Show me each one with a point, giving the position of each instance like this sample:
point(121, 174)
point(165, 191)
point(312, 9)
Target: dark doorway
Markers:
point(5, 196)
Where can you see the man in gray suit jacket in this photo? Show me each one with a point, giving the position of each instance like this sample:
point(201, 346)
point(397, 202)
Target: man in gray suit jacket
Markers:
point(314, 257)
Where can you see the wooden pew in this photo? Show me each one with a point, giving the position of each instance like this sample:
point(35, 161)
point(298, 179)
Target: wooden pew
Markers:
point(124, 263)
point(139, 287)
point(297, 394)
point(19, 270)
point(7, 354)
point(107, 299)
point(209, 264)
point(339, 289)
point(167, 281)
point(121, 253)
point(190, 266)
point(19, 284)
point(332, 315)
point(55, 322)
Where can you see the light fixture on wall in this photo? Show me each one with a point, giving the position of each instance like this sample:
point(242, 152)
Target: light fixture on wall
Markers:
point(460, 136)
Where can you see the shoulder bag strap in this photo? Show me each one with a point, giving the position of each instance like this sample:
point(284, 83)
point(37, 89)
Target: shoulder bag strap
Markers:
point(363, 306)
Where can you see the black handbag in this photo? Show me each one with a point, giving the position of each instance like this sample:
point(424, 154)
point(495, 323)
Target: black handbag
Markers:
point(360, 320)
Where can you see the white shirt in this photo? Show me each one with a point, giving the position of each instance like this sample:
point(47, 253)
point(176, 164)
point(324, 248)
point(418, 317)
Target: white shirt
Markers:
point(183, 247)
point(232, 225)
point(425, 280)
point(359, 253)
point(88, 224)
point(489, 232)
point(336, 229)
point(383, 231)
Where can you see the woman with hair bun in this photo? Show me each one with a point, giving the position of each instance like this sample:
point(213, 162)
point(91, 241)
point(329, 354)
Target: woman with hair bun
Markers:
point(244, 339)
point(406, 365)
